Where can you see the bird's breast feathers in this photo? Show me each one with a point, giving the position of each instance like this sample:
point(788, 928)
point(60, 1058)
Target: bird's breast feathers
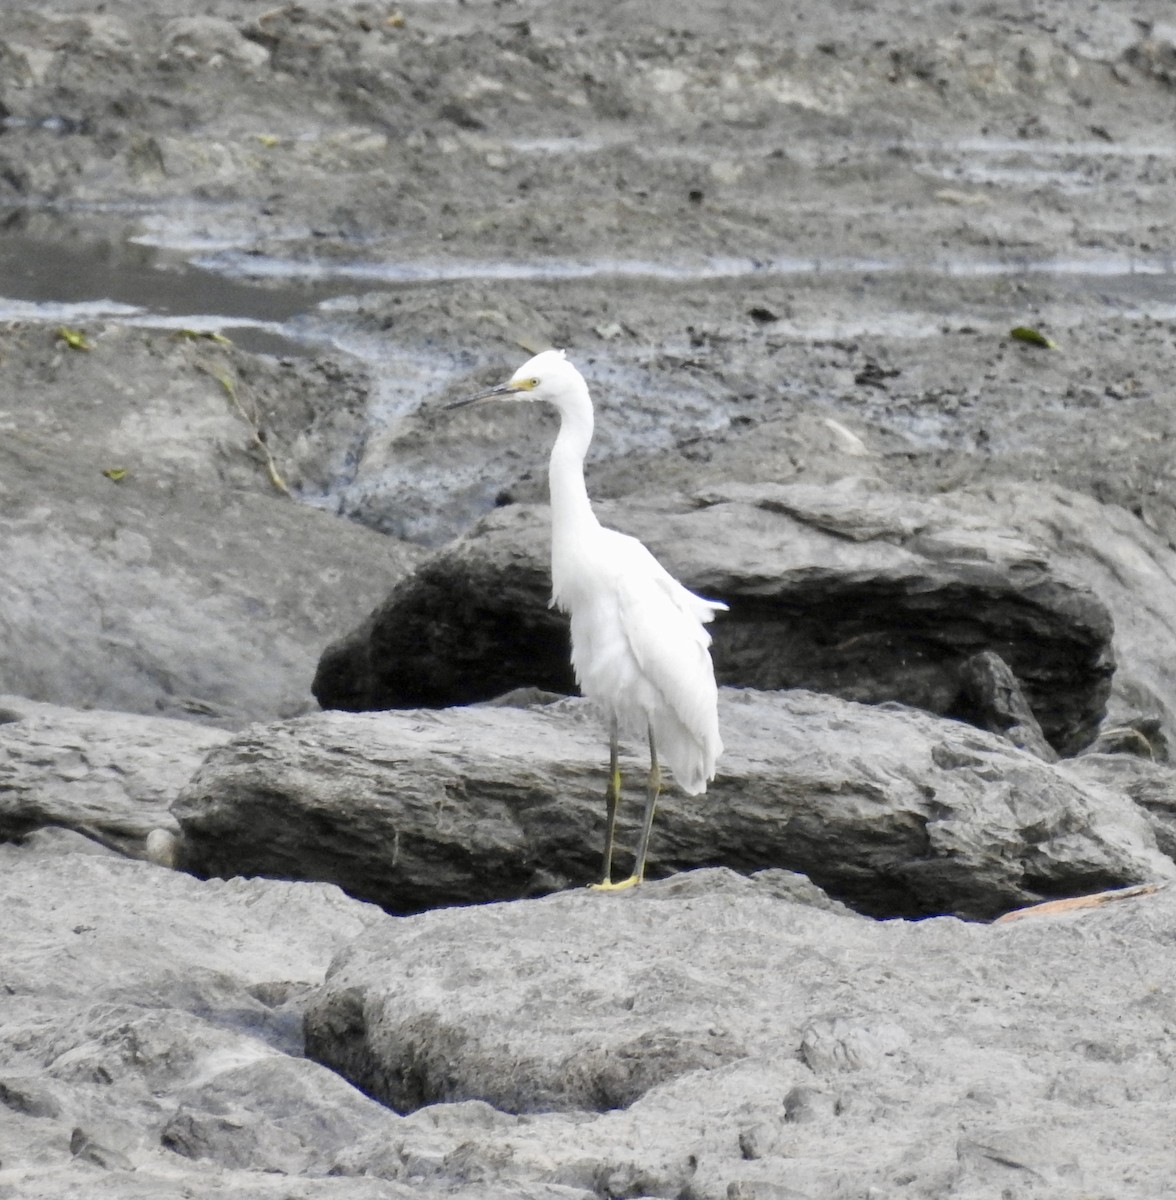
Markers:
point(608, 563)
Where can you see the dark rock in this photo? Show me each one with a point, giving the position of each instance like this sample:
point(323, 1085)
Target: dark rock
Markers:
point(889, 809)
point(29, 1097)
point(1130, 568)
point(465, 626)
point(1142, 736)
point(86, 1148)
point(847, 589)
point(991, 698)
point(1155, 55)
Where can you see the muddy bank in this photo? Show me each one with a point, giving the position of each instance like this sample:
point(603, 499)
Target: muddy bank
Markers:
point(731, 223)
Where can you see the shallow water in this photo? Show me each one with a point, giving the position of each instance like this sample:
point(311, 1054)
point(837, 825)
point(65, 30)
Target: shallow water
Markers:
point(264, 302)
point(72, 281)
point(286, 306)
point(235, 264)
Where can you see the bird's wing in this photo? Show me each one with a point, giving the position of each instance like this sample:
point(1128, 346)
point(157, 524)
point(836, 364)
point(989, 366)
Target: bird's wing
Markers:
point(641, 560)
point(662, 623)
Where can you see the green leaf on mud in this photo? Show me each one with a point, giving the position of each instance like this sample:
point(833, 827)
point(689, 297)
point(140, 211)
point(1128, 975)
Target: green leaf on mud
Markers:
point(73, 338)
point(1023, 333)
point(117, 474)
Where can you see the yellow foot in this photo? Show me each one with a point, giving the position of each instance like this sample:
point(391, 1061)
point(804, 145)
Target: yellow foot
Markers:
point(609, 886)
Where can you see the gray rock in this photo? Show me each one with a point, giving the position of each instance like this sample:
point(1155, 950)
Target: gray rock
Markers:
point(108, 774)
point(188, 587)
point(889, 809)
point(151, 1038)
point(210, 42)
point(172, 408)
point(756, 1037)
point(1151, 785)
point(847, 589)
point(136, 999)
point(757, 1045)
point(1130, 568)
point(152, 615)
point(278, 1114)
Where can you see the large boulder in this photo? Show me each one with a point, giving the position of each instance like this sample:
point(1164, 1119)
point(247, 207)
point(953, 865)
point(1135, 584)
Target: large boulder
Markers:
point(890, 809)
point(149, 565)
point(710, 1036)
point(848, 589)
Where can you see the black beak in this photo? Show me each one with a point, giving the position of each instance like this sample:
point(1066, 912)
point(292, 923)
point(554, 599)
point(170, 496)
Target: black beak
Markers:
point(494, 393)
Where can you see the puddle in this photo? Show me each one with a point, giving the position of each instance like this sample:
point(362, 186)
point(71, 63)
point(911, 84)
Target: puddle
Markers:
point(71, 281)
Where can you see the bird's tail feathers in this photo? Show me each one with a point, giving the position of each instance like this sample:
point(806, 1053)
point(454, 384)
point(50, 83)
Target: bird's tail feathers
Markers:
point(713, 606)
point(700, 608)
point(690, 758)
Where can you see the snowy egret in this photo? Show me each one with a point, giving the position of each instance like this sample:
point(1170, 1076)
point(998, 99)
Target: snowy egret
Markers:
point(639, 648)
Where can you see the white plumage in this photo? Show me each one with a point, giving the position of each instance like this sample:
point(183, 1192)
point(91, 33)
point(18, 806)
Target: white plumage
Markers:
point(639, 648)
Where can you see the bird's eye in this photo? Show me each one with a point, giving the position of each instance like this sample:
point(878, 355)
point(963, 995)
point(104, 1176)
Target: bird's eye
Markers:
point(533, 382)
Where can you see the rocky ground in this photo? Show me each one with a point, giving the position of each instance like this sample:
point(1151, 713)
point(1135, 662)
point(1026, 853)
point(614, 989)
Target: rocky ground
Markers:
point(258, 949)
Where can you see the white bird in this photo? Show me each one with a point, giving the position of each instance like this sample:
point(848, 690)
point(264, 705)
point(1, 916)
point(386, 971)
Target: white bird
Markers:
point(639, 648)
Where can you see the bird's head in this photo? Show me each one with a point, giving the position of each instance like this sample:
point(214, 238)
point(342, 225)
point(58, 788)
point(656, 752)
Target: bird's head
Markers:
point(548, 376)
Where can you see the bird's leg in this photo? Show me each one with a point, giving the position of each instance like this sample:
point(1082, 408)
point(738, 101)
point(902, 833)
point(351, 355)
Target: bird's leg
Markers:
point(612, 800)
point(643, 845)
point(651, 795)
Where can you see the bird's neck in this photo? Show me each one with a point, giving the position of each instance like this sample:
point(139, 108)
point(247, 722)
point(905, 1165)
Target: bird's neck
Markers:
point(571, 511)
